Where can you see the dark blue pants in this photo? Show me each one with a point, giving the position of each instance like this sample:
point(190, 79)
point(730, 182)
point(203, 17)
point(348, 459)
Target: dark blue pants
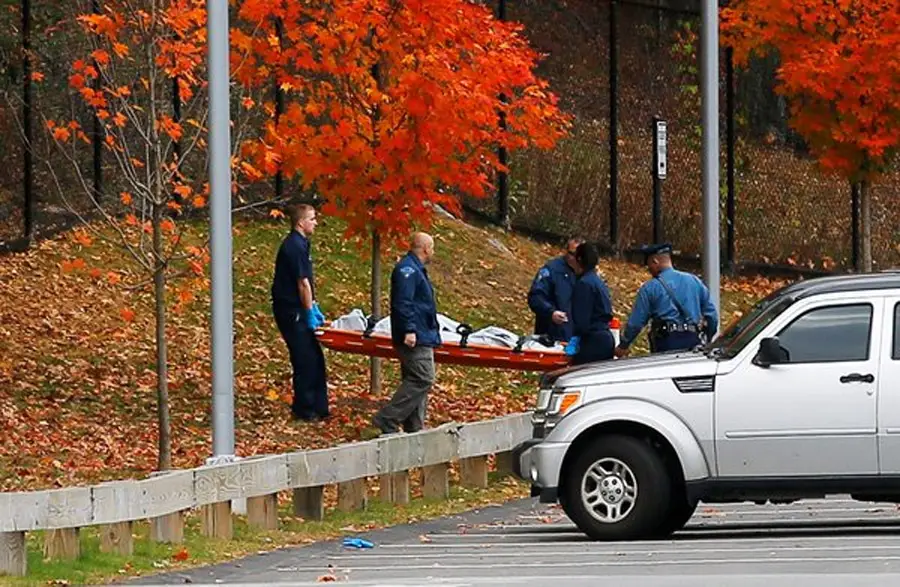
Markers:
point(676, 341)
point(308, 363)
point(598, 346)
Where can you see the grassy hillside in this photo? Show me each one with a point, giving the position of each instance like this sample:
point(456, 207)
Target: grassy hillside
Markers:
point(77, 397)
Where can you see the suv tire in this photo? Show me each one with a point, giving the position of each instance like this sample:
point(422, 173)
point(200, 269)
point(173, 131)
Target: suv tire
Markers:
point(617, 489)
point(680, 511)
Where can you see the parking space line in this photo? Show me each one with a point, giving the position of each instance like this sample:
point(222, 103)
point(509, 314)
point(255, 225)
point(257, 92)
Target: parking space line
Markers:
point(688, 544)
point(611, 563)
point(645, 553)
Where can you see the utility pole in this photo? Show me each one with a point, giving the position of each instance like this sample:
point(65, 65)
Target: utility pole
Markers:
point(220, 233)
point(709, 84)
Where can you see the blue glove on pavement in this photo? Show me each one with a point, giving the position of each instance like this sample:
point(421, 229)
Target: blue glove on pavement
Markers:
point(318, 314)
point(572, 346)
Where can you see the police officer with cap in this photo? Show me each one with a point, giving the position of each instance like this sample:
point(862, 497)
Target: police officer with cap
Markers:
point(550, 296)
point(674, 302)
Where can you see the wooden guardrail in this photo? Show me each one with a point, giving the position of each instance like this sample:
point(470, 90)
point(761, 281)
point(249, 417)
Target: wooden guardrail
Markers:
point(164, 497)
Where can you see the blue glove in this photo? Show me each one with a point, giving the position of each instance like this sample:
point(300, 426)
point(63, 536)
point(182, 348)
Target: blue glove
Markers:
point(312, 320)
point(572, 347)
point(357, 543)
point(320, 317)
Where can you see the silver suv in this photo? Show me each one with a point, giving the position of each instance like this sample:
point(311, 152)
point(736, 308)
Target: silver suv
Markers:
point(800, 398)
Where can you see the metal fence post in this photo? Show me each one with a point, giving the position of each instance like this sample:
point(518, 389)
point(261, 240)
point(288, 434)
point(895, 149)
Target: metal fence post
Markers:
point(730, 147)
point(28, 212)
point(613, 126)
point(854, 226)
point(502, 178)
point(97, 139)
point(279, 109)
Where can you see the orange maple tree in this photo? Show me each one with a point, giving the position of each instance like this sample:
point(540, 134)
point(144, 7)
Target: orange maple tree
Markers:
point(140, 53)
point(392, 106)
point(840, 70)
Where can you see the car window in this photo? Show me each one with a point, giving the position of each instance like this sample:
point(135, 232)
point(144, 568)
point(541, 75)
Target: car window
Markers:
point(896, 354)
point(833, 333)
point(739, 334)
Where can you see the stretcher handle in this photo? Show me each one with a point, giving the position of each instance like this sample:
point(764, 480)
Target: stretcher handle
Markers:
point(464, 330)
point(371, 322)
point(541, 338)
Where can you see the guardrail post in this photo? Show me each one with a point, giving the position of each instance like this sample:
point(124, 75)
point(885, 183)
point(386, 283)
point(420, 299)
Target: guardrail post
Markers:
point(436, 481)
point(352, 495)
point(117, 538)
point(309, 503)
point(394, 487)
point(13, 559)
point(503, 463)
point(473, 472)
point(262, 511)
point(168, 528)
point(62, 544)
point(216, 520)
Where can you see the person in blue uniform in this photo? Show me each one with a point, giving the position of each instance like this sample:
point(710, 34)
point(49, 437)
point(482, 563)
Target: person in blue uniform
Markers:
point(297, 315)
point(677, 305)
point(414, 332)
point(591, 310)
point(550, 296)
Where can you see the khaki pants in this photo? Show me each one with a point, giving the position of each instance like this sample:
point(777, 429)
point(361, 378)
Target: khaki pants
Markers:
point(407, 407)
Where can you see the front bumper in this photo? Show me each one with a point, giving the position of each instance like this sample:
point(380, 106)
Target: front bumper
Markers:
point(540, 462)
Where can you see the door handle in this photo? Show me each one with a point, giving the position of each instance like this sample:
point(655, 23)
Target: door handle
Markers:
point(858, 377)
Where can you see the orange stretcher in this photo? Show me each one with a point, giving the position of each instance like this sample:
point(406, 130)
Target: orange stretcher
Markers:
point(471, 354)
point(376, 344)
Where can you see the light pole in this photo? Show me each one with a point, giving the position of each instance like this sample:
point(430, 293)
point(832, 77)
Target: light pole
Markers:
point(220, 233)
point(709, 84)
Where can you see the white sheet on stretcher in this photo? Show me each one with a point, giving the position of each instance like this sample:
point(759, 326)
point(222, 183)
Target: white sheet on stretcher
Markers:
point(490, 335)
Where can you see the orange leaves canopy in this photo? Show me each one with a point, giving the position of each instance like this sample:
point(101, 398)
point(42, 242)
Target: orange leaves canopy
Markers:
point(392, 107)
point(840, 68)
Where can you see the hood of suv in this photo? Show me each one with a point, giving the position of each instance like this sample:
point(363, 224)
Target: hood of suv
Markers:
point(658, 366)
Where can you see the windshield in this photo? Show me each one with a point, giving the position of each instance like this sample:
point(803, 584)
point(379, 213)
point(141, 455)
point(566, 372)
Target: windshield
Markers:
point(745, 329)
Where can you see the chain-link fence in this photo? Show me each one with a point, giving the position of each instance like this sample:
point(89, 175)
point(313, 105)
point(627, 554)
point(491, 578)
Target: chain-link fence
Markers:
point(35, 64)
point(778, 208)
point(615, 66)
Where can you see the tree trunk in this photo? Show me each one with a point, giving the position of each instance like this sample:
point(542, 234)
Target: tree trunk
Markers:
point(375, 362)
point(162, 376)
point(865, 221)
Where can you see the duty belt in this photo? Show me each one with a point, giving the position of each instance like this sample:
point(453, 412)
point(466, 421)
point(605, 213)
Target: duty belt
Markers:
point(664, 328)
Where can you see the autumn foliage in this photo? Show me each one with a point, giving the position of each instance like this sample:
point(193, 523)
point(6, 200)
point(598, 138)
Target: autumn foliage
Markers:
point(840, 70)
point(392, 106)
point(840, 66)
point(145, 58)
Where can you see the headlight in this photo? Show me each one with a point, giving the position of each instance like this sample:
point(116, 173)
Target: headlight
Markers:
point(562, 402)
point(543, 400)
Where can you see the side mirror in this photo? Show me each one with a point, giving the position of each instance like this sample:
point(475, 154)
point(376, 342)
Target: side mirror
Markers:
point(770, 352)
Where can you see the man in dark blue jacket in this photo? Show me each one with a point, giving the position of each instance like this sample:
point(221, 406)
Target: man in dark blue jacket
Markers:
point(415, 333)
point(550, 297)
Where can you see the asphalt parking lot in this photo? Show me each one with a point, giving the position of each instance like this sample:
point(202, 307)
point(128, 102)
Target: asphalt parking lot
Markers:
point(813, 542)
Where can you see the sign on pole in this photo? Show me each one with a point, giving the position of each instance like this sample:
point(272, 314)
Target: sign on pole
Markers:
point(661, 138)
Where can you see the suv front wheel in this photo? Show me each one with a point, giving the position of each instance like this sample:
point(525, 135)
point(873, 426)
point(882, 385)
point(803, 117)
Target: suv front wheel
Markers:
point(617, 489)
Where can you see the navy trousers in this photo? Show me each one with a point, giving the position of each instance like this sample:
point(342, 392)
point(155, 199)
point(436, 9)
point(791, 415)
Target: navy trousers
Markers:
point(598, 346)
point(308, 364)
point(676, 341)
